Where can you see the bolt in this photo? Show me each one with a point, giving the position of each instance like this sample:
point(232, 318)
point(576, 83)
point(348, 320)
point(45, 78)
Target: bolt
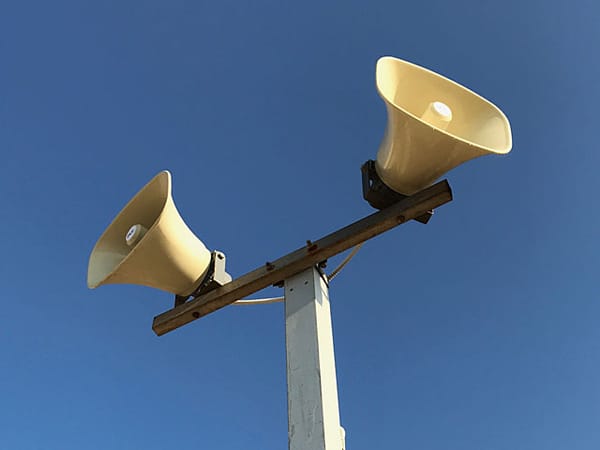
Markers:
point(311, 247)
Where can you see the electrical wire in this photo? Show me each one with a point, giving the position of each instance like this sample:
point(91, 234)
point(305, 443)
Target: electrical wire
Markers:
point(346, 260)
point(258, 301)
point(331, 276)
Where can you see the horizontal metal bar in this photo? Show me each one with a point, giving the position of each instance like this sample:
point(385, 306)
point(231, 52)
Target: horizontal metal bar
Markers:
point(314, 252)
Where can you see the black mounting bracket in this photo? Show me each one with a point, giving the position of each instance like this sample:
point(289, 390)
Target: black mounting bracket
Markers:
point(378, 194)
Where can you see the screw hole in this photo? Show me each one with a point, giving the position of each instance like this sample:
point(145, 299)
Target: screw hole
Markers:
point(195, 315)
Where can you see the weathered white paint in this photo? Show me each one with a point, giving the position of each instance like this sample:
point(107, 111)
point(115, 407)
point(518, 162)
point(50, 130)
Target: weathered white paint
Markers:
point(313, 411)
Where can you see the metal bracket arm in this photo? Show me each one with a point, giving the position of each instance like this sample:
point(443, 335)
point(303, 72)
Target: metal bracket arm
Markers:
point(273, 272)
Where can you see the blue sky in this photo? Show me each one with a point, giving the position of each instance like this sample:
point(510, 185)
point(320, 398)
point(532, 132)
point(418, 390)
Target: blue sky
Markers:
point(477, 331)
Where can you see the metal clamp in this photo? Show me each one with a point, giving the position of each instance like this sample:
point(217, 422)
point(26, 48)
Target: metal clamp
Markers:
point(215, 277)
point(378, 194)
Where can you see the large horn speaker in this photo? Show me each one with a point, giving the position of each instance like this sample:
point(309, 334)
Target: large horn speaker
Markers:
point(148, 243)
point(434, 124)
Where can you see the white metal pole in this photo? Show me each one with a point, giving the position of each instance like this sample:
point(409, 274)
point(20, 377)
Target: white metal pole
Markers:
point(313, 411)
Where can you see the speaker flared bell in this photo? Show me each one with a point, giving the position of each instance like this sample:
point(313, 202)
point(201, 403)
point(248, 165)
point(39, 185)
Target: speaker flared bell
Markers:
point(434, 124)
point(149, 244)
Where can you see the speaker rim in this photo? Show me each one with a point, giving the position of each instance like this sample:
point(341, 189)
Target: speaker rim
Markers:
point(167, 194)
point(500, 151)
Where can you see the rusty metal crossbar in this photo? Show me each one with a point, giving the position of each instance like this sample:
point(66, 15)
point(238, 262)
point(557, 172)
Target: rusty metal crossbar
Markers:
point(313, 253)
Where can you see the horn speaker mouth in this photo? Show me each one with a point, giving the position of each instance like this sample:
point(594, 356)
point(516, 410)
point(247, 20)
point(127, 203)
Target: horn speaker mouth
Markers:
point(149, 244)
point(434, 124)
point(143, 209)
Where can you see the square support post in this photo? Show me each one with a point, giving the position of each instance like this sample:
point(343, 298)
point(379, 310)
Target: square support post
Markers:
point(313, 411)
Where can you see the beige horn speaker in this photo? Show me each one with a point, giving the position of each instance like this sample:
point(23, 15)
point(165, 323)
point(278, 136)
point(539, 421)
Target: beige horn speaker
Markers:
point(434, 124)
point(149, 244)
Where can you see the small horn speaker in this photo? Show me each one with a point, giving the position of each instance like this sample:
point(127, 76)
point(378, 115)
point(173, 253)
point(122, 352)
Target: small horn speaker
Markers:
point(434, 124)
point(148, 243)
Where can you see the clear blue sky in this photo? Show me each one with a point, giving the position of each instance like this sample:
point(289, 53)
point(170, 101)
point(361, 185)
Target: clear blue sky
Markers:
point(477, 331)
